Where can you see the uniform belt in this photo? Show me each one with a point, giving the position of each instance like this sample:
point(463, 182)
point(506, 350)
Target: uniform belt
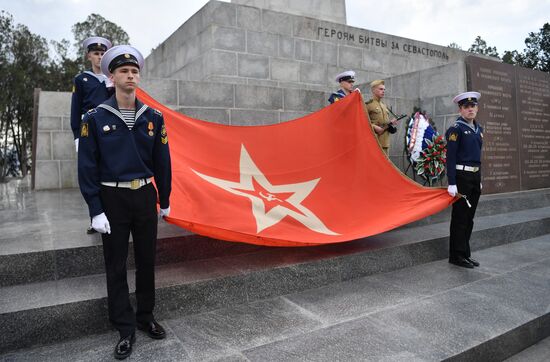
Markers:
point(467, 168)
point(133, 185)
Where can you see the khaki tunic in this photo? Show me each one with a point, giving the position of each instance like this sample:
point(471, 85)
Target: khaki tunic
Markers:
point(378, 114)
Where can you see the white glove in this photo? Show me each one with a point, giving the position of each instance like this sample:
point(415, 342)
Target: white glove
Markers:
point(101, 224)
point(452, 190)
point(357, 90)
point(164, 212)
point(480, 186)
point(76, 144)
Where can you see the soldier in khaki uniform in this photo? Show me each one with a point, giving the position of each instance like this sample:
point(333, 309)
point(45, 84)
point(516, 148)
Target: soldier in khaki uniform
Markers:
point(378, 115)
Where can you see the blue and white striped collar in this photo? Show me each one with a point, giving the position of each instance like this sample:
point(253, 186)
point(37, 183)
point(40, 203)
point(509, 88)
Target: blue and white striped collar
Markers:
point(112, 106)
point(102, 78)
point(472, 126)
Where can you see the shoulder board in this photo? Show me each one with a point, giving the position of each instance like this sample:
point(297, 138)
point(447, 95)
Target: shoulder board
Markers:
point(369, 101)
point(456, 125)
point(92, 111)
point(157, 112)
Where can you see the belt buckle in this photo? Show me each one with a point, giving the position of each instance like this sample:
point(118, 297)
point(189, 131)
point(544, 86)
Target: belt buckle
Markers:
point(135, 184)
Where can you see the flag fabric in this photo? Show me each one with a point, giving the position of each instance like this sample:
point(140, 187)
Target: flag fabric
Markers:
point(319, 179)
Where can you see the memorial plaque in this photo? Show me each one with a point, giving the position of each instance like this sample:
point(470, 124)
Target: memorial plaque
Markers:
point(533, 101)
point(515, 113)
point(497, 114)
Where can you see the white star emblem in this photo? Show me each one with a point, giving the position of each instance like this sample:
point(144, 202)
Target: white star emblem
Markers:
point(268, 209)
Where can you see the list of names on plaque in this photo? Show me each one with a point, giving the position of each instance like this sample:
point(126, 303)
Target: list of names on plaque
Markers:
point(533, 103)
point(497, 115)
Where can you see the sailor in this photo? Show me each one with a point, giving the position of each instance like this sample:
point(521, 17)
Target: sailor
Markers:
point(464, 142)
point(123, 146)
point(346, 80)
point(90, 88)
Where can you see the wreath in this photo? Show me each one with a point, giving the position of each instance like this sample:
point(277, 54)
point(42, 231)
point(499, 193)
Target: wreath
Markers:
point(431, 161)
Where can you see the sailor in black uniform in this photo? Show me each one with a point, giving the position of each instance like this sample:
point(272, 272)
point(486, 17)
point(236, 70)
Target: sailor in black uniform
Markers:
point(464, 142)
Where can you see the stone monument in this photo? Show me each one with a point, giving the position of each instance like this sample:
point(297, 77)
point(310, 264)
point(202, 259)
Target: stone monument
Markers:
point(268, 61)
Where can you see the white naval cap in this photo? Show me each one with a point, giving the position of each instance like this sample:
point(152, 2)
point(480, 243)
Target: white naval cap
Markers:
point(96, 43)
point(347, 75)
point(120, 55)
point(467, 97)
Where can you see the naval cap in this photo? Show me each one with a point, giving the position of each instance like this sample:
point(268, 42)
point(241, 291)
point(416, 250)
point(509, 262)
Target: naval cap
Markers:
point(467, 98)
point(348, 75)
point(120, 55)
point(96, 43)
point(376, 83)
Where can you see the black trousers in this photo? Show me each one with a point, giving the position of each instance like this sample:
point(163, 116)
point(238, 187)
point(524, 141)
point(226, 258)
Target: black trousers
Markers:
point(130, 211)
point(462, 216)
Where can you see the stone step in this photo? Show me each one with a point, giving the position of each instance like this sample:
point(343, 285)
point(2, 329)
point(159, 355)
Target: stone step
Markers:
point(496, 204)
point(77, 306)
point(538, 352)
point(53, 245)
point(431, 311)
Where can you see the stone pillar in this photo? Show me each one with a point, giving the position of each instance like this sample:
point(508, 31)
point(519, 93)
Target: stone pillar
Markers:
point(55, 152)
point(328, 10)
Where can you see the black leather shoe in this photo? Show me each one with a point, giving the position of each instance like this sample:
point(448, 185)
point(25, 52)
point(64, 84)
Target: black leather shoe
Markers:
point(153, 329)
point(473, 261)
point(461, 262)
point(123, 348)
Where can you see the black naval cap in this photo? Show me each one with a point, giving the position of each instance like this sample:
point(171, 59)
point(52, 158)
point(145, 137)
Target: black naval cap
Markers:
point(467, 98)
point(121, 55)
point(95, 43)
point(348, 75)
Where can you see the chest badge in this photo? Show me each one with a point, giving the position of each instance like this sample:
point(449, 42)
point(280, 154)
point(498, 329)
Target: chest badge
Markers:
point(85, 79)
point(84, 130)
point(151, 127)
point(106, 128)
point(164, 138)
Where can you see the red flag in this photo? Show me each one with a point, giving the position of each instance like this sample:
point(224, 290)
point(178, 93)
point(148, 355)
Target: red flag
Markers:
point(319, 179)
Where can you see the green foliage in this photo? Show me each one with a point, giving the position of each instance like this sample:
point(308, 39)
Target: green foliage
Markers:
point(537, 52)
point(25, 64)
point(536, 55)
point(454, 46)
point(480, 46)
point(97, 25)
point(512, 57)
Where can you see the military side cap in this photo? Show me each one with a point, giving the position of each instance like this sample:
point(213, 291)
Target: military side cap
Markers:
point(96, 43)
point(348, 75)
point(120, 55)
point(376, 83)
point(467, 98)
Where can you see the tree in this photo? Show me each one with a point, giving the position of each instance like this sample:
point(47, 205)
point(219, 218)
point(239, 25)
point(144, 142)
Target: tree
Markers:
point(480, 46)
point(23, 63)
point(454, 46)
point(513, 57)
point(537, 52)
point(97, 25)
point(536, 55)
point(62, 67)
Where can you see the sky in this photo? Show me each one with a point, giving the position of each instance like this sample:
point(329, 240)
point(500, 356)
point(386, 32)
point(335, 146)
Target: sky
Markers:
point(501, 23)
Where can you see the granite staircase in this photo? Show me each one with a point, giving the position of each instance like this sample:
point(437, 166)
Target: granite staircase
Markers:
point(390, 296)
